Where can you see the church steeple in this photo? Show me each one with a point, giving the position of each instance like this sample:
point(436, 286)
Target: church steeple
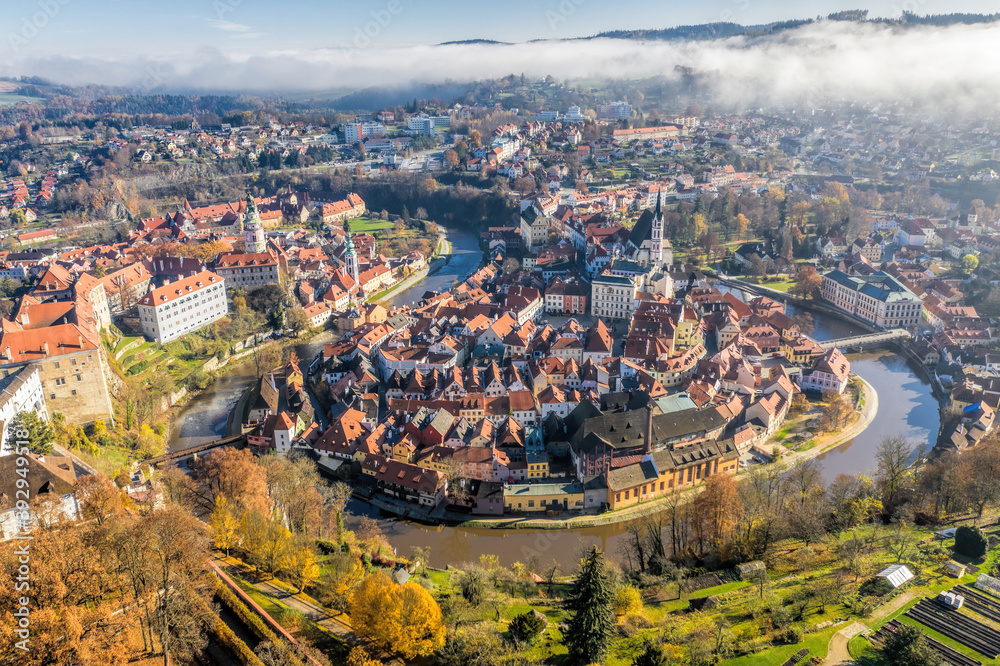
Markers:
point(253, 229)
point(350, 255)
point(656, 236)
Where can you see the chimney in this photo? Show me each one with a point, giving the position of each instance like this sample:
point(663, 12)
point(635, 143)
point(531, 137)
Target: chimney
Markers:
point(648, 448)
point(45, 347)
point(79, 341)
point(6, 353)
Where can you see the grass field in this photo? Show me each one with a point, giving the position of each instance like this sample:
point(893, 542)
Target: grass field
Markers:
point(362, 225)
point(9, 98)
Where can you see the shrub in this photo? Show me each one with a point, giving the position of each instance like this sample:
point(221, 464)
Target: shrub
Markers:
point(527, 626)
point(627, 601)
point(970, 541)
point(875, 587)
point(789, 636)
point(137, 368)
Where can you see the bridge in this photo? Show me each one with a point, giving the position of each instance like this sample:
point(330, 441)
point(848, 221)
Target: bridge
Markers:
point(176, 456)
point(858, 342)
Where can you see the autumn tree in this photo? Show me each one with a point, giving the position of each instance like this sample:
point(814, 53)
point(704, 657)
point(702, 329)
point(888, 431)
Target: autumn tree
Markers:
point(225, 524)
point(75, 593)
point(398, 619)
point(589, 632)
point(807, 283)
point(714, 513)
point(178, 552)
point(100, 499)
point(234, 473)
point(301, 562)
point(341, 574)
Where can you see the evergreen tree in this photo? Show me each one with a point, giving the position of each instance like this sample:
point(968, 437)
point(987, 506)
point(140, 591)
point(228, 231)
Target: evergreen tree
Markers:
point(590, 600)
point(28, 430)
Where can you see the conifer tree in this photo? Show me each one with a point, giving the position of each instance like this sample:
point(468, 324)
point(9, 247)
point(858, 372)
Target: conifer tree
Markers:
point(590, 600)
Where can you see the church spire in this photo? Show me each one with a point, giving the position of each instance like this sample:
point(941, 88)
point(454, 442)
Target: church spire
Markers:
point(656, 235)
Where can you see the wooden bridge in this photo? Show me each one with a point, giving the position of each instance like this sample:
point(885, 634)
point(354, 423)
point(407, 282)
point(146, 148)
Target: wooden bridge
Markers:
point(176, 456)
point(858, 342)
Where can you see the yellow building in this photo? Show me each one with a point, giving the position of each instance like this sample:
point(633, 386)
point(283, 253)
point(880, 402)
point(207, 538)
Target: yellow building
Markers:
point(541, 497)
point(663, 472)
point(800, 350)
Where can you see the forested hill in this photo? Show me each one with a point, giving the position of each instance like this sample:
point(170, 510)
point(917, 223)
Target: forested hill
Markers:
point(722, 30)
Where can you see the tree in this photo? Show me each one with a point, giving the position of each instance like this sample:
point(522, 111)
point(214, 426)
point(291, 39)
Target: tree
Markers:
point(99, 498)
point(970, 541)
point(906, 646)
point(894, 472)
point(402, 620)
point(658, 654)
point(179, 551)
point(29, 430)
point(360, 657)
point(225, 524)
point(527, 626)
point(807, 283)
point(628, 600)
point(451, 158)
point(970, 262)
point(302, 562)
point(296, 320)
point(589, 631)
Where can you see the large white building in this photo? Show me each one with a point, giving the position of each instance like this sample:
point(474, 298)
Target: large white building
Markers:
point(248, 271)
point(354, 132)
point(20, 391)
point(183, 306)
point(612, 296)
point(878, 298)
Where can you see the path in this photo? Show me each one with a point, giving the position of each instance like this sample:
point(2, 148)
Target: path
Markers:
point(838, 653)
point(867, 415)
point(297, 602)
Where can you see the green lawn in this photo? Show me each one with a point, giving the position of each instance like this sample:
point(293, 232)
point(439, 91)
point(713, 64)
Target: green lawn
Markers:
point(361, 225)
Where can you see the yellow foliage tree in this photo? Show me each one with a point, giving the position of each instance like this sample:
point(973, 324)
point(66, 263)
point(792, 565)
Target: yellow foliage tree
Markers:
point(397, 619)
point(742, 225)
point(225, 525)
point(360, 657)
point(302, 563)
point(628, 601)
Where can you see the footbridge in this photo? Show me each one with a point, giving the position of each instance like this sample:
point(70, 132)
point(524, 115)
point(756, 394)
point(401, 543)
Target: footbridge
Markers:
point(177, 456)
point(859, 342)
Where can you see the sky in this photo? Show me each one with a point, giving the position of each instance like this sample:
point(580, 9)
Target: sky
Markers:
point(300, 45)
point(126, 28)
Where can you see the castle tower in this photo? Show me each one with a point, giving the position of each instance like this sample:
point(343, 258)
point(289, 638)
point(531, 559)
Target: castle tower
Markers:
point(656, 236)
point(253, 229)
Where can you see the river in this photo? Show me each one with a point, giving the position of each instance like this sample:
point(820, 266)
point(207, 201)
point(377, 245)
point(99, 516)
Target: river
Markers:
point(204, 419)
point(906, 407)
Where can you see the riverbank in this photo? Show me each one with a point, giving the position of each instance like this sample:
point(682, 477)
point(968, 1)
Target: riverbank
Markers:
point(442, 259)
point(869, 402)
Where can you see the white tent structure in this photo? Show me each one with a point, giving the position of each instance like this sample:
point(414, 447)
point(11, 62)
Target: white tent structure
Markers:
point(896, 574)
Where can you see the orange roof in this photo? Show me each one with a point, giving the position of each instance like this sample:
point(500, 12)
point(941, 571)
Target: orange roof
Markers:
point(33, 345)
point(180, 288)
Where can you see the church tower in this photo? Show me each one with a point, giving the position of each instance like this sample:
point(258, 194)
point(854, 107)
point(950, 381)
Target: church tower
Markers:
point(253, 229)
point(350, 256)
point(656, 236)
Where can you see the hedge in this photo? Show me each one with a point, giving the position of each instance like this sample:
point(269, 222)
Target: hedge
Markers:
point(137, 368)
point(251, 619)
point(231, 642)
